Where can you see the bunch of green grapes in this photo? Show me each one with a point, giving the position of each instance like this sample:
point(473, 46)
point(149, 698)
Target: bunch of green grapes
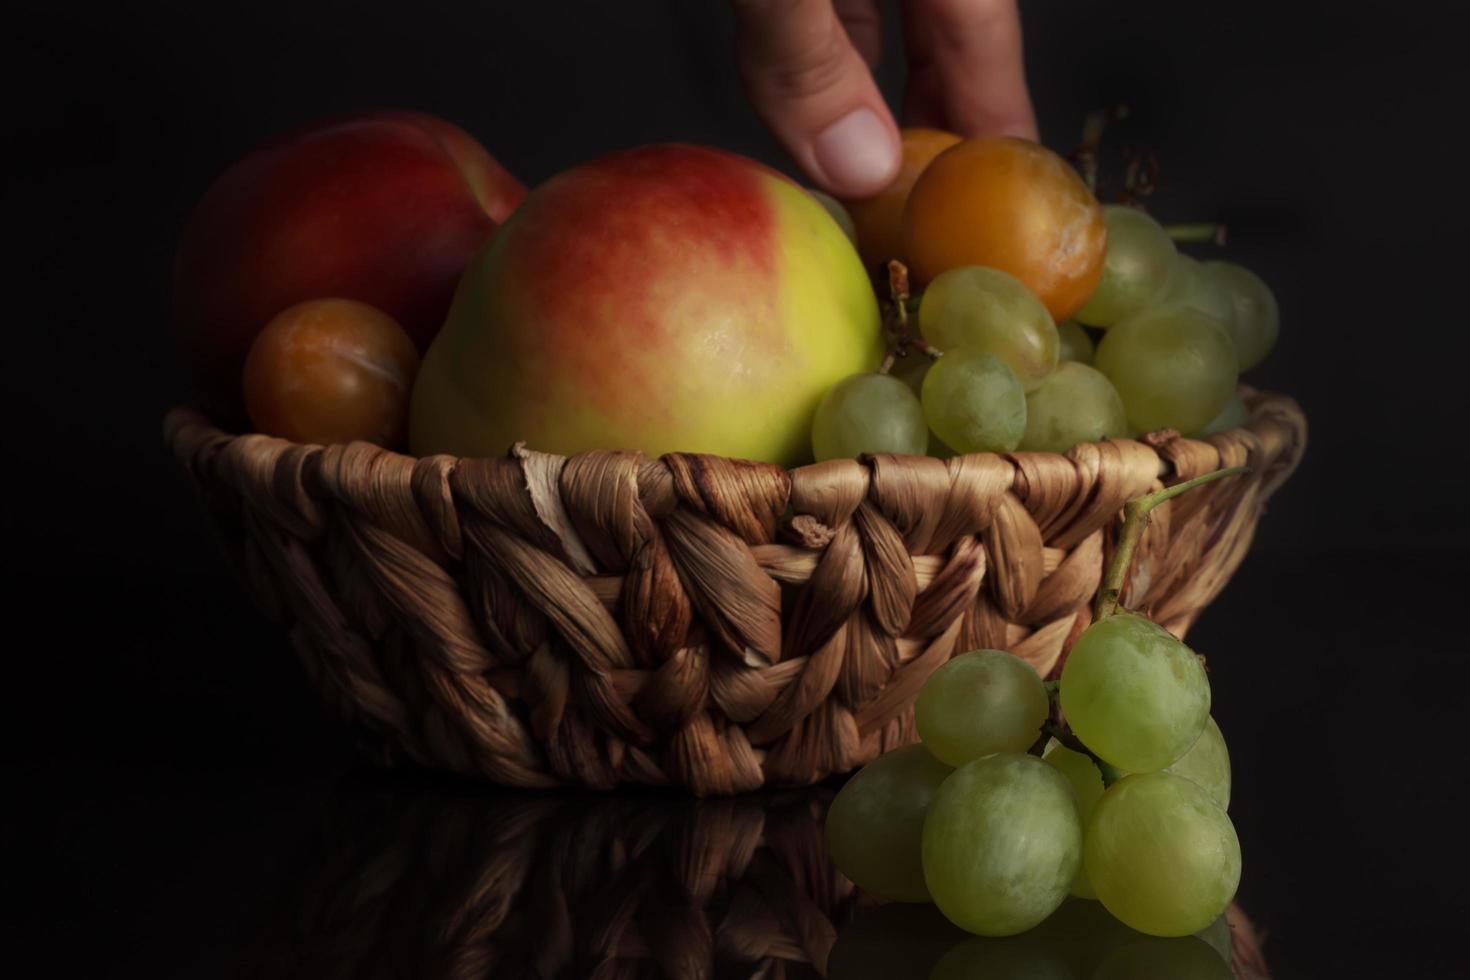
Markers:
point(1160, 344)
point(1002, 811)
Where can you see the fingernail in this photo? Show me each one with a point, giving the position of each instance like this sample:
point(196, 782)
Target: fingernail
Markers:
point(858, 154)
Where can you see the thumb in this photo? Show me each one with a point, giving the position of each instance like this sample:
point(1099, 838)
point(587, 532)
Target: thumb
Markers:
point(812, 88)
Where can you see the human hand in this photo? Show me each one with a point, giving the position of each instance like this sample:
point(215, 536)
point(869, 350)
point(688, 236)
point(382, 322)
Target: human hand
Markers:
point(807, 68)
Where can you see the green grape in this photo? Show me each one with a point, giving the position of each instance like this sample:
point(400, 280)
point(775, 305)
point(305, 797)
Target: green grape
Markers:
point(1173, 366)
point(1207, 764)
point(974, 403)
point(1162, 856)
point(868, 413)
point(876, 820)
point(1025, 957)
point(1087, 788)
point(981, 702)
point(991, 312)
point(1217, 936)
point(1190, 286)
point(1076, 345)
point(838, 212)
point(892, 941)
point(1001, 844)
point(1136, 269)
point(1185, 958)
point(911, 368)
point(1076, 404)
point(1134, 694)
point(1257, 318)
point(1233, 416)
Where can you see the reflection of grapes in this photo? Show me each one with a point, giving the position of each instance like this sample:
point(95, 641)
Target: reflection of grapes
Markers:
point(1173, 366)
point(1076, 404)
point(874, 824)
point(868, 413)
point(988, 311)
point(892, 941)
point(1134, 694)
point(974, 403)
point(1136, 269)
point(1161, 855)
point(1185, 958)
point(1025, 957)
point(1001, 844)
point(981, 702)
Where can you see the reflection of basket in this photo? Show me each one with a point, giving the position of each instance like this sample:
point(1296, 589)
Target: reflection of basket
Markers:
point(434, 885)
point(693, 620)
point(557, 886)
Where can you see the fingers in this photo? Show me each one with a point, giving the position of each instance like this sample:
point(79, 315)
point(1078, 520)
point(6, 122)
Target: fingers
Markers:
point(813, 88)
point(966, 70)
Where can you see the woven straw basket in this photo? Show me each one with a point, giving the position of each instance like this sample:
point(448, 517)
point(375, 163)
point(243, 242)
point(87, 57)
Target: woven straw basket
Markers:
point(697, 621)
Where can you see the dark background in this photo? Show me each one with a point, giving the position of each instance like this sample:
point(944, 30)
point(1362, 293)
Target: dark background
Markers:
point(162, 742)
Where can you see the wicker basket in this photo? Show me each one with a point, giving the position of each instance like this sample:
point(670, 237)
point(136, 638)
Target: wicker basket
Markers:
point(721, 625)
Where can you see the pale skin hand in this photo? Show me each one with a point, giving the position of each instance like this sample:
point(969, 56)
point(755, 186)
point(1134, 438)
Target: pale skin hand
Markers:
point(807, 66)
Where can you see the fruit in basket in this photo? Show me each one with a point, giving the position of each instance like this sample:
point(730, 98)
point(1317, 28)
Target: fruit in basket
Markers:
point(980, 702)
point(1233, 416)
point(869, 413)
point(1136, 268)
point(1134, 694)
point(1075, 343)
point(1191, 286)
point(874, 824)
point(879, 219)
point(1161, 855)
point(331, 370)
point(1075, 404)
point(1173, 366)
point(991, 312)
point(666, 298)
point(1012, 205)
point(974, 403)
point(381, 207)
point(1001, 844)
point(1256, 320)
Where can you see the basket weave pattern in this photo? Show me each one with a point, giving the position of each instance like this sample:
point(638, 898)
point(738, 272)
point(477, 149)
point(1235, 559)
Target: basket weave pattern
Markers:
point(608, 619)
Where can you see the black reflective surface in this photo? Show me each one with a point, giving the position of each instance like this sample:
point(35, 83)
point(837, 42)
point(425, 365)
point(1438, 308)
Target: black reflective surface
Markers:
point(190, 809)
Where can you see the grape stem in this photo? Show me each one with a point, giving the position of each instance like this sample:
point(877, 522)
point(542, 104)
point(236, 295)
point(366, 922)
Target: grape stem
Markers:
point(896, 320)
point(1211, 232)
point(1135, 521)
point(1084, 157)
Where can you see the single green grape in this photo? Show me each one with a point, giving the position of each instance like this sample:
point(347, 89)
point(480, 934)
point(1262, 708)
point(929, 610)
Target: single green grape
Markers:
point(892, 940)
point(1001, 844)
point(1190, 286)
point(1257, 318)
point(1217, 936)
point(974, 403)
point(1162, 856)
point(1086, 781)
point(981, 702)
point(1076, 404)
point(1134, 694)
point(868, 413)
point(1136, 269)
point(1076, 345)
point(838, 212)
point(876, 820)
point(1173, 366)
point(1207, 764)
point(1233, 416)
point(1185, 958)
point(1025, 957)
point(991, 312)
